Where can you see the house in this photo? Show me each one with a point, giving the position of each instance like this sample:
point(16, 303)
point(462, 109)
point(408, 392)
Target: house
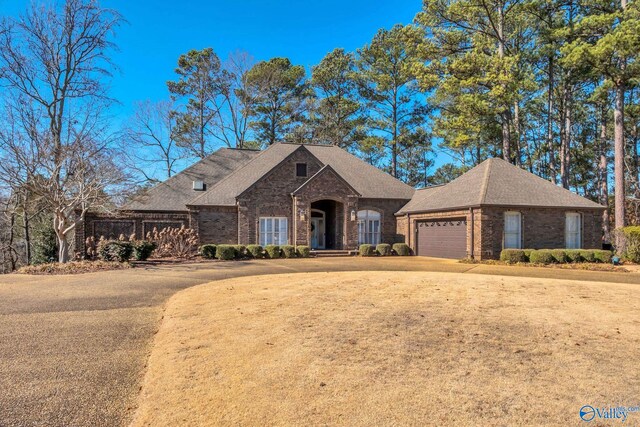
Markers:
point(494, 206)
point(315, 195)
point(326, 198)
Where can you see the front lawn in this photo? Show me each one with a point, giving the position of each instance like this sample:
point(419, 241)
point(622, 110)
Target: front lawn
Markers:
point(393, 348)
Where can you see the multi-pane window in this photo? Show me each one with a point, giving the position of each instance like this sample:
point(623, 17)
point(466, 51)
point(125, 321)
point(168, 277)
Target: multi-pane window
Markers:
point(572, 230)
point(512, 230)
point(368, 227)
point(273, 231)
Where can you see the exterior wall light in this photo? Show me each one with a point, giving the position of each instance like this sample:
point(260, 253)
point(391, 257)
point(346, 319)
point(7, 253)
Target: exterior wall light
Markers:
point(353, 214)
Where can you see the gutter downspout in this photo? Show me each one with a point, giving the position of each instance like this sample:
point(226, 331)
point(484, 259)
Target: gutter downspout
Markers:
point(472, 215)
point(295, 222)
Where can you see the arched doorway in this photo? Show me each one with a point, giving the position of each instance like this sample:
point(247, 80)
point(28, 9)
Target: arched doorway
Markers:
point(326, 225)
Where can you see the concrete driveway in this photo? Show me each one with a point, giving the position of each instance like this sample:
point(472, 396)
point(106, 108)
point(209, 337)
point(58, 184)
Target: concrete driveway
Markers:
point(73, 348)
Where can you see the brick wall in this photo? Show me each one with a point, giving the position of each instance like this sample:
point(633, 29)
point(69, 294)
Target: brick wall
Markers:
point(387, 208)
point(217, 224)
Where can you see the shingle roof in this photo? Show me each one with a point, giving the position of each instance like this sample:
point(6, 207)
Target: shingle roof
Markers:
point(366, 179)
point(495, 182)
point(174, 193)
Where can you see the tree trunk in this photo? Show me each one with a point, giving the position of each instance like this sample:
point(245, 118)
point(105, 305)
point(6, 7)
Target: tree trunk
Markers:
point(63, 249)
point(516, 127)
point(552, 154)
point(603, 175)
point(565, 148)
point(618, 140)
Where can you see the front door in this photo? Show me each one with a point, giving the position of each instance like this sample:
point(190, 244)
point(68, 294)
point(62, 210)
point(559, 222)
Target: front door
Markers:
point(317, 232)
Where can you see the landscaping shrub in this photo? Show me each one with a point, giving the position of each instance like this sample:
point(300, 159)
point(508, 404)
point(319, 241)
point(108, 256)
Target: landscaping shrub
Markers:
point(574, 255)
point(174, 242)
point(273, 251)
point(542, 256)
point(142, 249)
point(527, 253)
point(225, 252)
point(288, 251)
point(628, 240)
point(241, 251)
point(367, 250)
point(114, 250)
point(304, 251)
point(559, 255)
point(208, 251)
point(587, 256)
point(513, 256)
point(401, 249)
point(255, 251)
point(601, 255)
point(383, 249)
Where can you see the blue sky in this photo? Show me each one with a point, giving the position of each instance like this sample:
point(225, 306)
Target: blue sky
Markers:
point(158, 32)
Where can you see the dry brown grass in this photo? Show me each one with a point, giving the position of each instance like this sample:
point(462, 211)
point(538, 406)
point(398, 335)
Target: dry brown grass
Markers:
point(73, 267)
point(374, 348)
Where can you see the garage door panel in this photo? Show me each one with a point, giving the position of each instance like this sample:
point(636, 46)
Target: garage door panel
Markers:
point(444, 238)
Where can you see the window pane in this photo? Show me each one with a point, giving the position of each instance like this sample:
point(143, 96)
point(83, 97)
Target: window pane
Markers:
point(512, 224)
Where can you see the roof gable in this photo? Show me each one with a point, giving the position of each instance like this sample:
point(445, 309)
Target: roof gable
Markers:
point(326, 169)
point(496, 182)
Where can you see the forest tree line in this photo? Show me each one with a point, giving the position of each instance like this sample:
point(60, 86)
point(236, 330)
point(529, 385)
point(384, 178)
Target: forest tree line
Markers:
point(550, 86)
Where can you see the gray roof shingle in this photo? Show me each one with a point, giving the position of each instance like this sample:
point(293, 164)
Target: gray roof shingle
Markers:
point(366, 179)
point(495, 182)
point(174, 193)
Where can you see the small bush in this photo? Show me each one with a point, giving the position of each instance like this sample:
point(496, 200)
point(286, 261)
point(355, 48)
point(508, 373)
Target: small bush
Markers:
point(383, 249)
point(273, 251)
point(367, 250)
point(602, 256)
point(304, 251)
point(174, 242)
point(241, 251)
point(542, 256)
point(225, 252)
point(114, 250)
point(559, 255)
point(142, 249)
point(288, 251)
point(401, 249)
point(527, 254)
point(587, 255)
point(628, 240)
point(513, 256)
point(255, 251)
point(574, 255)
point(208, 251)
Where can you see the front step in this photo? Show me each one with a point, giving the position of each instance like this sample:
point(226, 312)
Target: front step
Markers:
point(333, 253)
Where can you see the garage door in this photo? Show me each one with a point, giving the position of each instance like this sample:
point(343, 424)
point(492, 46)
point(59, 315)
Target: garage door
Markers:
point(444, 238)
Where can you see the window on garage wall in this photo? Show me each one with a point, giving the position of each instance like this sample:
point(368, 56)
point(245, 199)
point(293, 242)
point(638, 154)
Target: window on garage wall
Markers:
point(368, 227)
point(512, 230)
point(573, 230)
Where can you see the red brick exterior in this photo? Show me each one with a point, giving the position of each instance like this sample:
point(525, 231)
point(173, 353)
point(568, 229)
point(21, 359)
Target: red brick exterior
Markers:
point(542, 228)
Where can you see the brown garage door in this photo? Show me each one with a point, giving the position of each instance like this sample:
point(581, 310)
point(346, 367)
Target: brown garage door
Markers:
point(444, 238)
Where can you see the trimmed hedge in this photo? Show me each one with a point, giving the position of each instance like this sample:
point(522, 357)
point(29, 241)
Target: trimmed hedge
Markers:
point(401, 249)
point(513, 256)
point(142, 249)
point(383, 249)
point(555, 256)
point(115, 250)
point(541, 256)
point(241, 251)
point(273, 251)
point(288, 251)
point(208, 251)
point(367, 250)
point(304, 251)
point(226, 252)
point(255, 251)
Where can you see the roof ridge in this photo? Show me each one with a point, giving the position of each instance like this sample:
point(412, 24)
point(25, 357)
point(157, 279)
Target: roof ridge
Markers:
point(485, 181)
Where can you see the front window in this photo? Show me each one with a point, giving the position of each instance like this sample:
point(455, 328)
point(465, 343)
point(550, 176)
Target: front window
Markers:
point(368, 227)
point(512, 230)
point(273, 231)
point(573, 230)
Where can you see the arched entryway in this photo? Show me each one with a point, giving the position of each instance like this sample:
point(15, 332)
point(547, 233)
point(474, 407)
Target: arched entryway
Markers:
point(326, 225)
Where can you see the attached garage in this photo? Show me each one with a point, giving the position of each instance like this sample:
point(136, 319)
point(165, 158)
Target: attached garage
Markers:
point(442, 238)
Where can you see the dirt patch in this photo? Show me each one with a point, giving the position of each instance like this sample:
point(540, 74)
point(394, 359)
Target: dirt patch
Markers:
point(392, 349)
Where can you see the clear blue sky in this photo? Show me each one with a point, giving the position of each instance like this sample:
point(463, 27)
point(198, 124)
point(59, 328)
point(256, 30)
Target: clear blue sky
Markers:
point(158, 31)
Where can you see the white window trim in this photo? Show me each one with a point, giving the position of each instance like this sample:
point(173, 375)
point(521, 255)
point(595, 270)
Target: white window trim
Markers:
point(566, 230)
point(504, 239)
point(365, 223)
point(273, 237)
